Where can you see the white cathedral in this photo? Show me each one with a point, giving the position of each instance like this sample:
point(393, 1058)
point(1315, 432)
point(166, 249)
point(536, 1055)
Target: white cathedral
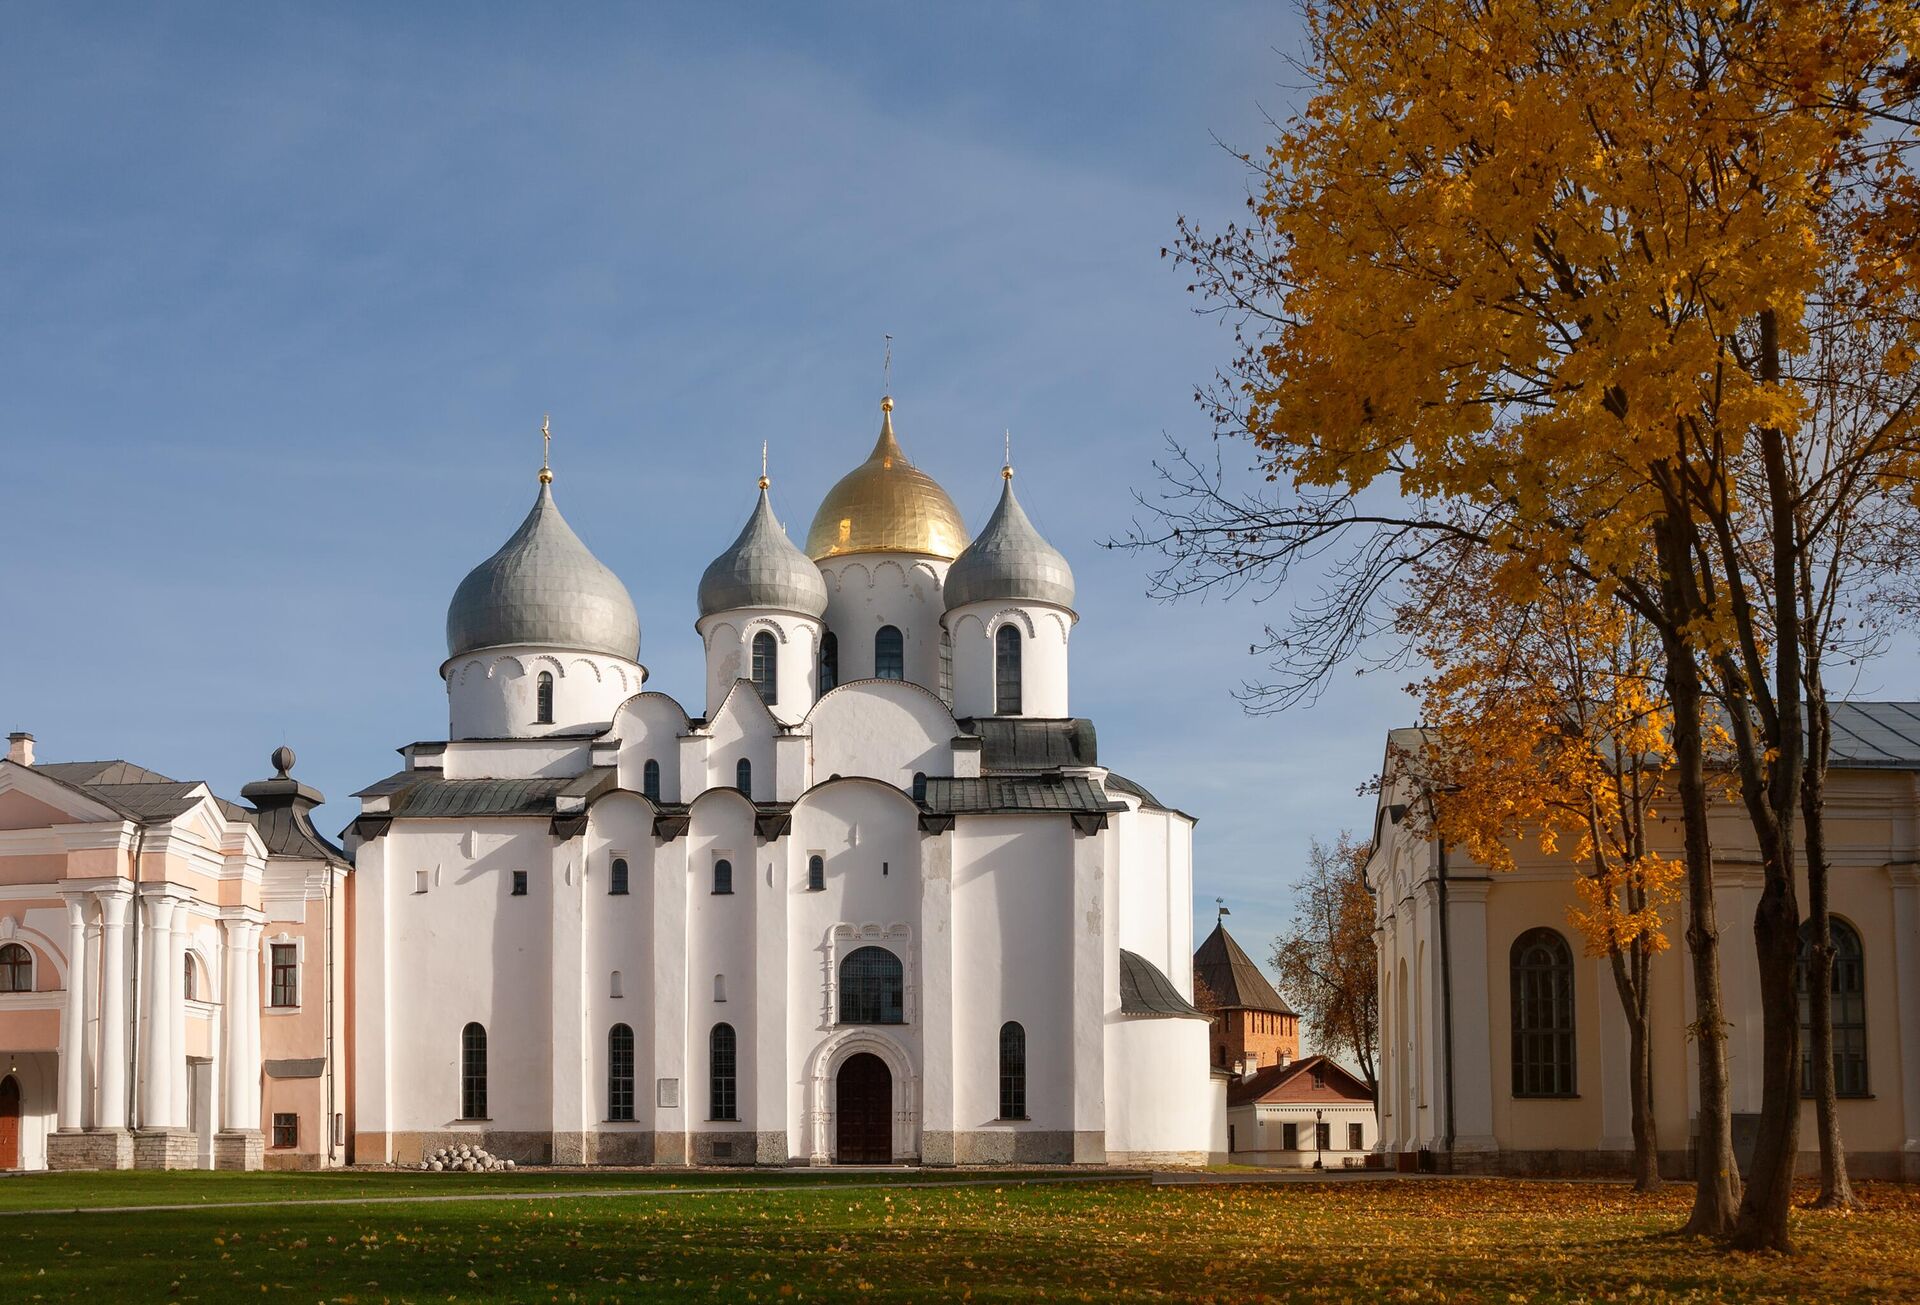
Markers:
point(877, 901)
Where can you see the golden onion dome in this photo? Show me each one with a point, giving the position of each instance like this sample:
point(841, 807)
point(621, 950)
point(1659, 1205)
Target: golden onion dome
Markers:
point(887, 505)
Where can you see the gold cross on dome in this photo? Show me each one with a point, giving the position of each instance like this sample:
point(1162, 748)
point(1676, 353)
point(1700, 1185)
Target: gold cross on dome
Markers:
point(546, 449)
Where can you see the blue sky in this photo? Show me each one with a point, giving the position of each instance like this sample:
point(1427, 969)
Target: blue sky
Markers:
point(288, 290)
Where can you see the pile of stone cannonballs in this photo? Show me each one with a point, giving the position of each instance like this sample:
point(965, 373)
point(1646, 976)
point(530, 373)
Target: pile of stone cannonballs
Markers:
point(464, 1160)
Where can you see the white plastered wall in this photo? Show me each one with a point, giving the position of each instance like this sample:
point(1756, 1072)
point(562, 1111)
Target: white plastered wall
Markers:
point(868, 590)
point(491, 693)
point(729, 640)
point(1044, 632)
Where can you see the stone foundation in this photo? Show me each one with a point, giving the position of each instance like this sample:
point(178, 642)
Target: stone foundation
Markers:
point(241, 1149)
point(165, 1148)
point(94, 1149)
point(1005, 1146)
point(1675, 1166)
point(1163, 1159)
point(722, 1148)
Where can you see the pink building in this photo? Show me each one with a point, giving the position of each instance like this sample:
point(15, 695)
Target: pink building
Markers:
point(172, 990)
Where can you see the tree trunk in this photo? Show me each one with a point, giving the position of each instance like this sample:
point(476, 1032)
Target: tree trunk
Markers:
point(1836, 1189)
point(1716, 1177)
point(1630, 982)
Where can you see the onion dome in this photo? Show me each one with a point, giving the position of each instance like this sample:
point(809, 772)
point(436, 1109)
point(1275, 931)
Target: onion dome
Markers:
point(1010, 561)
point(762, 568)
point(543, 588)
point(887, 505)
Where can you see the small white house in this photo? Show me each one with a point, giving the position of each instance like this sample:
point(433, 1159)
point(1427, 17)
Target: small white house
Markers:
point(1301, 1114)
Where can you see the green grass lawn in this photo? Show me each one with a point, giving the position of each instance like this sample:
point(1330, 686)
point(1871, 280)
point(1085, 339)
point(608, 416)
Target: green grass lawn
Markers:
point(1404, 1240)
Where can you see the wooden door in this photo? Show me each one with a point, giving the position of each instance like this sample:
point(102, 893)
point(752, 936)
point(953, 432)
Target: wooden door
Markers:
point(863, 1109)
point(9, 1123)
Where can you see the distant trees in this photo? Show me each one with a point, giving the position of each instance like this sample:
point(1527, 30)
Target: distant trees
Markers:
point(1325, 958)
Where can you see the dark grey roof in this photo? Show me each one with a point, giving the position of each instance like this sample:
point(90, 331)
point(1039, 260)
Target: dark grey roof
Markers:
point(1024, 743)
point(1144, 990)
point(1009, 560)
point(310, 1068)
point(1120, 783)
point(149, 801)
point(544, 588)
point(1876, 735)
point(101, 772)
point(763, 568)
point(1232, 979)
point(1014, 793)
point(283, 813)
point(424, 795)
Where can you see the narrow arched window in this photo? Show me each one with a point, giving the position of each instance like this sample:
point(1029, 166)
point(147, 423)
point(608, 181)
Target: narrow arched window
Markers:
point(473, 1072)
point(543, 699)
point(766, 668)
point(189, 985)
point(1542, 966)
point(743, 778)
point(617, 878)
point(872, 987)
point(723, 876)
point(16, 968)
point(816, 873)
point(889, 654)
point(719, 987)
point(1848, 1004)
point(619, 1072)
point(829, 661)
point(1013, 1071)
point(1006, 671)
point(650, 780)
point(722, 1099)
point(919, 786)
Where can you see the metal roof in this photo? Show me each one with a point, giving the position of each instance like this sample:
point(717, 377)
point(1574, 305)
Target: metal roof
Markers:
point(1121, 783)
point(1296, 1082)
point(429, 797)
point(763, 568)
point(101, 772)
point(1144, 990)
point(1232, 978)
point(1027, 743)
point(161, 801)
point(1015, 793)
point(1876, 735)
point(1010, 560)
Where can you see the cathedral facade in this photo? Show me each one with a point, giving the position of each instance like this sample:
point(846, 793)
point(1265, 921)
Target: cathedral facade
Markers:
point(874, 899)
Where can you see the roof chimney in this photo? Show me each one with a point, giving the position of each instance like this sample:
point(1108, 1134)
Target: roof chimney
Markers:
point(20, 747)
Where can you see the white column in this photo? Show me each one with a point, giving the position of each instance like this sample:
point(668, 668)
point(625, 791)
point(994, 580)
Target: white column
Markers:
point(575, 1092)
point(1906, 968)
point(1088, 1019)
point(233, 966)
point(177, 1008)
point(936, 997)
point(157, 1051)
point(73, 1021)
point(248, 1019)
point(112, 1111)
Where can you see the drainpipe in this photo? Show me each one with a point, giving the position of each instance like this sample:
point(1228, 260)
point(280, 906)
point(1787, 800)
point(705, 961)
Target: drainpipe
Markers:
point(1446, 998)
point(133, 1005)
point(326, 1012)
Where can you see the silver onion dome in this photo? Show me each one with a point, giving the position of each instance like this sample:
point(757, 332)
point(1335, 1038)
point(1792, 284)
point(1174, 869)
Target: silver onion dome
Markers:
point(763, 568)
point(1009, 561)
point(543, 588)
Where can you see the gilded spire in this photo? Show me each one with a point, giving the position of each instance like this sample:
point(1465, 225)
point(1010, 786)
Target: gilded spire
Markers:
point(1006, 467)
point(546, 449)
point(764, 482)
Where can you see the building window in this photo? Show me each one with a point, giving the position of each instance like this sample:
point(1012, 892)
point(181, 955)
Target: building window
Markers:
point(285, 958)
point(519, 883)
point(543, 699)
point(419, 881)
point(723, 876)
point(1542, 967)
point(1356, 1137)
point(721, 1100)
point(614, 986)
point(1848, 1003)
point(189, 979)
point(16, 968)
point(650, 780)
point(743, 778)
point(1290, 1136)
point(719, 987)
point(816, 873)
point(766, 668)
point(286, 1132)
point(473, 1072)
point(617, 879)
point(889, 654)
point(1013, 1071)
point(872, 987)
point(829, 661)
point(620, 1072)
point(1006, 671)
point(920, 787)
point(1323, 1137)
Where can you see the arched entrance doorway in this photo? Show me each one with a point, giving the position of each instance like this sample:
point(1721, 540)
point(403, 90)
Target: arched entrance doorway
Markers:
point(9, 1123)
point(863, 1111)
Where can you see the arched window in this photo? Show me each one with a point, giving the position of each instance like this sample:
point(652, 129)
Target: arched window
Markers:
point(766, 667)
point(816, 873)
point(722, 1102)
point(1013, 1071)
point(723, 876)
point(619, 1072)
point(743, 778)
point(889, 654)
point(719, 987)
point(650, 780)
point(872, 987)
point(473, 1072)
point(1006, 671)
point(189, 979)
point(829, 661)
point(617, 880)
point(919, 786)
point(1542, 967)
point(1848, 1002)
point(16, 968)
point(543, 699)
